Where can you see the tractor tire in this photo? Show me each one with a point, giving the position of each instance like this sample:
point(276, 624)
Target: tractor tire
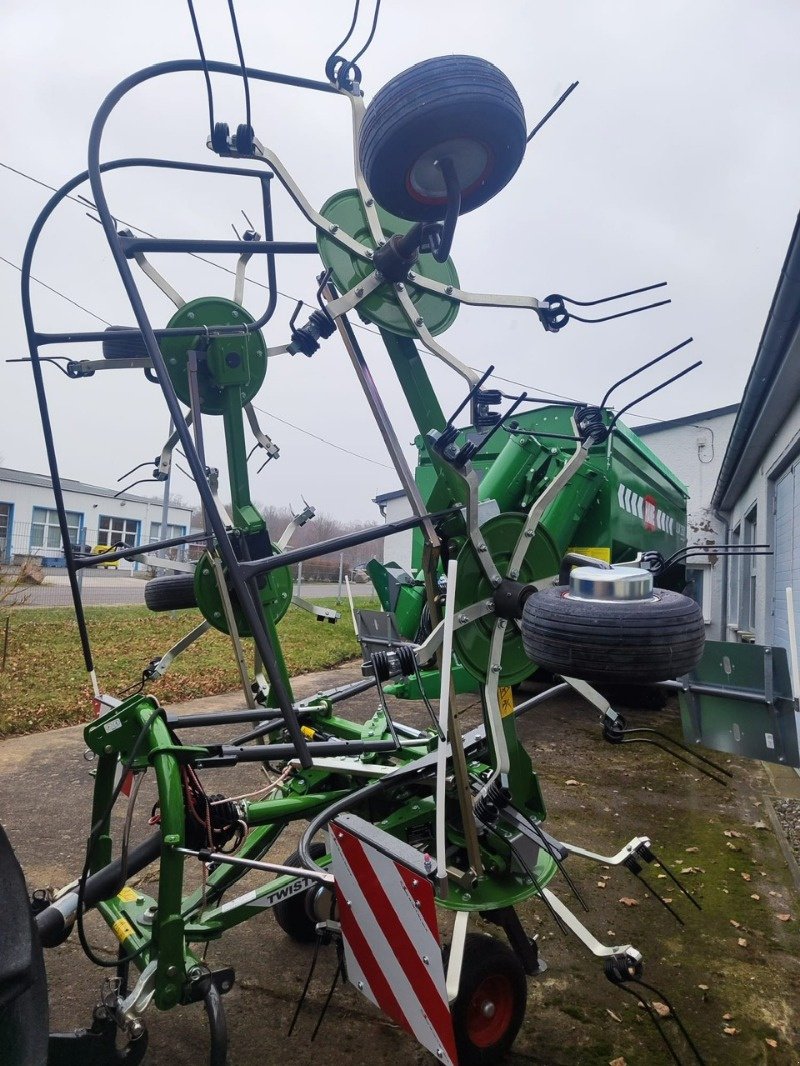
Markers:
point(293, 915)
point(172, 593)
point(457, 106)
point(490, 1006)
point(641, 641)
point(24, 1018)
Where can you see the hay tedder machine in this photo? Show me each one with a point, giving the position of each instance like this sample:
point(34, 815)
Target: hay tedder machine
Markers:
point(546, 537)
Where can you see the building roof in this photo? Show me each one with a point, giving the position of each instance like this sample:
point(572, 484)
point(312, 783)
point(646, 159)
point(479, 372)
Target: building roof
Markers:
point(384, 497)
point(685, 420)
point(44, 481)
point(772, 388)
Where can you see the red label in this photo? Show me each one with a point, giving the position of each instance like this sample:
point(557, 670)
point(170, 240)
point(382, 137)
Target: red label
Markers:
point(649, 514)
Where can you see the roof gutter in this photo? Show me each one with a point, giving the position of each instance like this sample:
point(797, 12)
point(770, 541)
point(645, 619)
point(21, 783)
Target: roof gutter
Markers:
point(776, 340)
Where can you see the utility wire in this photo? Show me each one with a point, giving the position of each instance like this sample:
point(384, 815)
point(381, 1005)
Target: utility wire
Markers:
point(285, 295)
point(338, 447)
point(56, 292)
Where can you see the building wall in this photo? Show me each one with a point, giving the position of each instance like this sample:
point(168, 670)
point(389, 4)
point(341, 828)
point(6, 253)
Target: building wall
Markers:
point(760, 493)
point(694, 453)
point(397, 547)
point(90, 506)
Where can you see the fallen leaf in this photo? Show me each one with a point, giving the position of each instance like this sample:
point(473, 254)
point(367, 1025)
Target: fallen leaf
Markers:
point(617, 1062)
point(661, 1009)
point(692, 870)
point(734, 923)
point(668, 899)
point(746, 877)
point(760, 825)
point(733, 847)
point(731, 833)
point(703, 987)
point(611, 1014)
point(691, 851)
point(730, 1031)
point(772, 1043)
point(784, 917)
point(742, 942)
point(572, 781)
point(755, 895)
point(727, 1017)
point(628, 902)
point(601, 884)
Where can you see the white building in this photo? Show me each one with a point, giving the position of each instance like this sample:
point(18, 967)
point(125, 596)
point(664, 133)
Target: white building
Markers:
point(397, 547)
point(758, 490)
point(693, 448)
point(29, 521)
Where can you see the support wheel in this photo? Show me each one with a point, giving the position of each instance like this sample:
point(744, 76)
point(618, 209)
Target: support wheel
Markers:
point(490, 1005)
point(456, 107)
point(640, 641)
point(295, 915)
point(171, 593)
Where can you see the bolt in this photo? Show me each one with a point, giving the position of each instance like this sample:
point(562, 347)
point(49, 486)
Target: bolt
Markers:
point(502, 623)
point(172, 971)
point(399, 286)
point(369, 202)
point(466, 897)
point(234, 314)
point(332, 228)
point(512, 574)
point(439, 1053)
point(418, 322)
point(361, 986)
point(135, 1029)
point(481, 547)
point(360, 290)
point(173, 361)
point(528, 532)
point(495, 668)
point(190, 316)
point(410, 275)
point(449, 289)
point(108, 750)
point(463, 619)
point(369, 255)
point(217, 614)
point(414, 883)
point(226, 986)
point(497, 580)
point(426, 960)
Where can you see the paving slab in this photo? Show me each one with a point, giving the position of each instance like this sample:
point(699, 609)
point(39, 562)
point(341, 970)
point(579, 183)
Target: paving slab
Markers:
point(732, 971)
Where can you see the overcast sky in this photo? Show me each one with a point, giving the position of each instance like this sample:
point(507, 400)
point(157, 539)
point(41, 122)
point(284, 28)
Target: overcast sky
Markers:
point(676, 159)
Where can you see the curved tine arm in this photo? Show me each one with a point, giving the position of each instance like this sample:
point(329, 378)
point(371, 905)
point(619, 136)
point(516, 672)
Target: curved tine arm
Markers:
point(266, 442)
point(476, 299)
point(159, 280)
point(367, 200)
point(241, 270)
point(165, 461)
point(355, 295)
point(267, 156)
point(411, 313)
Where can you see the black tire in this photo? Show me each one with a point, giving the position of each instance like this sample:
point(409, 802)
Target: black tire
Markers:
point(640, 641)
point(123, 347)
point(490, 1005)
point(24, 1019)
point(172, 593)
point(459, 106)
point(293, 915)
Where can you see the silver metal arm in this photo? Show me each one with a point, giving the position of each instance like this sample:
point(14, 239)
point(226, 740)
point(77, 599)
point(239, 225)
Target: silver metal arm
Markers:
point(272, 450)
point(159, 280)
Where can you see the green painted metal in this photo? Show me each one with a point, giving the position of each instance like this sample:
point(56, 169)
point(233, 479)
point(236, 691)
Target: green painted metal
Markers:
point(231, 360)
point(345, 210)
point(429, 684)
point(275, 597)
point(471, 642)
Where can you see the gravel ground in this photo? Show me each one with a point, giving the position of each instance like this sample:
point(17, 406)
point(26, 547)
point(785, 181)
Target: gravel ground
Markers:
point(788, 812)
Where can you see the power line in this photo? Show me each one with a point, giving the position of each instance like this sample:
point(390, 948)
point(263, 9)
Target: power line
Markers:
point(330, 444)
point(286, 296)
point(56, 292)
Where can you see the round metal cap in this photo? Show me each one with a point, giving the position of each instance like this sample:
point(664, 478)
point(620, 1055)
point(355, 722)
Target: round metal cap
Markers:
point(619, 584)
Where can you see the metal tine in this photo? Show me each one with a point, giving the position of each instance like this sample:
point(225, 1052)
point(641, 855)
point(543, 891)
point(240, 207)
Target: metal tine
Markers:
point(643, 367)
point(249, 223)
point(720, 549)
point(675, 755)
point(650, 392)
point(551, 112)
point(534, 879)
point(674, 1013)
point(304, 993)
point(620, 314)
point(675, 880)
point(133, 484)
point(328, 998)
point(560, 864)
point(642, 999)
point(147, 462)
point(235, 230)
point(660, 898)
point(475, 388)
point(382, 700)
point(617, 296)
point(677, 743)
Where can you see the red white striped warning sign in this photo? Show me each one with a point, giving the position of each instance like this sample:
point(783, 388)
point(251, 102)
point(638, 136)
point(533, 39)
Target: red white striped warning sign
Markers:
point(390, 933)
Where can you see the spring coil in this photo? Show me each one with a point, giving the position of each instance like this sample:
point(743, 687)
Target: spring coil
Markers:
point(489, 805)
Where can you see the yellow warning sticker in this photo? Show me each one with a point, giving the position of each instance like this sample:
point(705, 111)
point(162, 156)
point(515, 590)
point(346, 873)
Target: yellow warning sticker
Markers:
point(506, 698)
point(603, 554)
point(127, 895)
point(122, 929)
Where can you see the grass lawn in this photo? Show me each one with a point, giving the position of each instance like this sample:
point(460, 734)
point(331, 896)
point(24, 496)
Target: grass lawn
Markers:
point(44, 683)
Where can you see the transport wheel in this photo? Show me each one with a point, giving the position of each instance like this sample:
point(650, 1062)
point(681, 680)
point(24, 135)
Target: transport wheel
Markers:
point(459, 107)
point(24, 1020)
point(639, 641)
point(172, 593)
point(294, 915)
point(490, 1005)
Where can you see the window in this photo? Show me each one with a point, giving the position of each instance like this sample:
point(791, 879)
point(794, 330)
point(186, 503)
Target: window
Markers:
point(172, 531)
point(733, 582)
point(747, 575)
point(6, 510)
point(118, 531)
point(45, 531)
point(698, 588)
